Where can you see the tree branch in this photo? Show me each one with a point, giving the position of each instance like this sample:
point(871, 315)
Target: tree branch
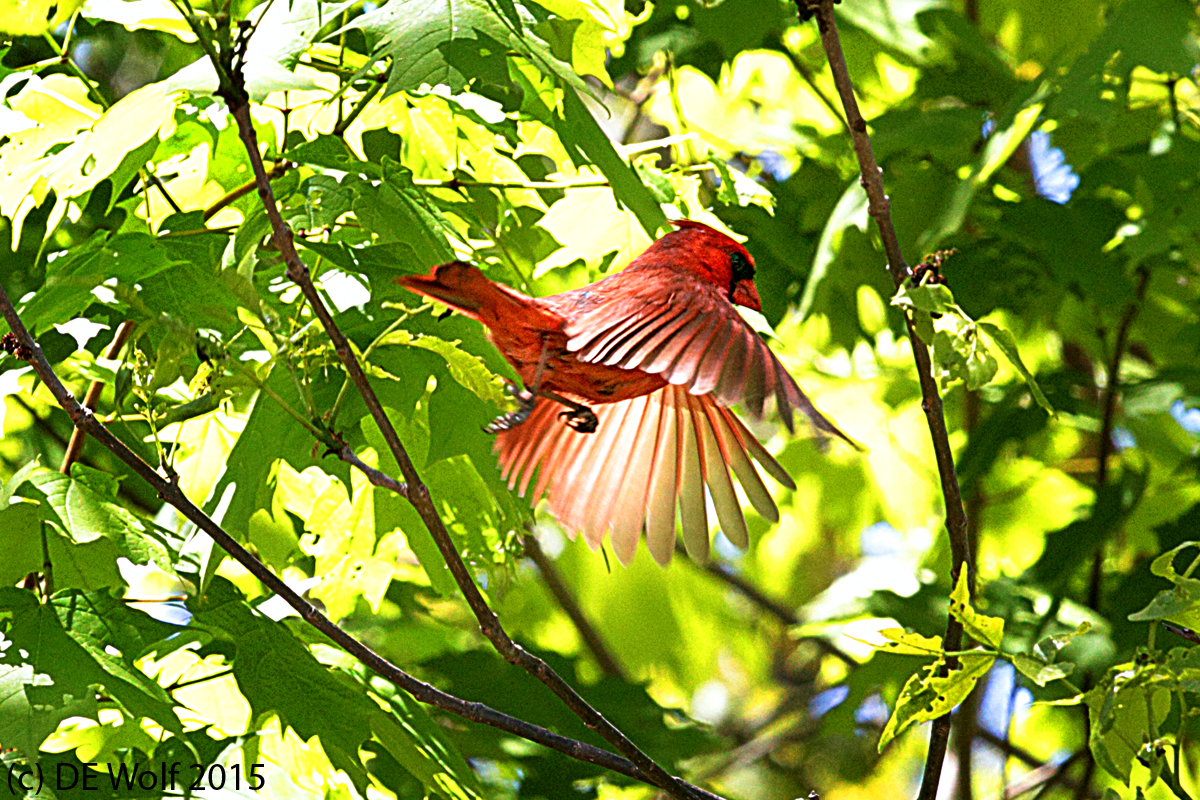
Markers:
point(75, 446)
point(278, 170)
point(417, 493)
point(22, 345)
point(931, 402)
point(554, 582)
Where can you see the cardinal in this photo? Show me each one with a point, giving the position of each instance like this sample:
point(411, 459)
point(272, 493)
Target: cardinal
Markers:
point(629, 382)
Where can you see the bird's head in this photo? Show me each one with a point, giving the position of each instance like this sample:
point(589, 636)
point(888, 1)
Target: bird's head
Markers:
point(711, 255)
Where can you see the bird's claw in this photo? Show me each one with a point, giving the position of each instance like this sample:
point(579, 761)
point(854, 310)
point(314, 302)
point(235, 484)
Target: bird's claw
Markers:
point(581, 419)
point(506, 422)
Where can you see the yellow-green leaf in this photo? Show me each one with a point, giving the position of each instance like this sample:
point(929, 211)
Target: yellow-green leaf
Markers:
point(469, 370)
point(35, 17)
point(1039, 671)
point(984, 629)
point(927, 696)
point(906, 643)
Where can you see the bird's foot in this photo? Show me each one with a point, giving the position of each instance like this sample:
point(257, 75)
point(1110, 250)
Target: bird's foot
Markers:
point(506, 422)
point(581, 419)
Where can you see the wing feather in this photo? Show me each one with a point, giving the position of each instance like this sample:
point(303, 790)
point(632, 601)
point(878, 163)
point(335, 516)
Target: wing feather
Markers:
point(660, 507)
point(595, 351)
point(689, 485)
point(629, 516)
point(697, 339)
point(649, 456)
point(733, 450)
point(647, 349)
point(716, 475)
point(619, 352)
point(708, 373)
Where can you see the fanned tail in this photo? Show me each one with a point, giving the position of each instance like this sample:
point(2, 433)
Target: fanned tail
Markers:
point(651, 457)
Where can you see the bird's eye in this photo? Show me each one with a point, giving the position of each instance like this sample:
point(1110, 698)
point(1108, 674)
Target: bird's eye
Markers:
point(741, 266)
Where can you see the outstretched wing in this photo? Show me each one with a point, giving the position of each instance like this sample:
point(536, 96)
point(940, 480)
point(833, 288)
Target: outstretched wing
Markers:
point(649, 455)
point(694, 338)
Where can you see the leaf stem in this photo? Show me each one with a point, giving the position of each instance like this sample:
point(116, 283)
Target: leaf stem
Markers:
point(342, 126)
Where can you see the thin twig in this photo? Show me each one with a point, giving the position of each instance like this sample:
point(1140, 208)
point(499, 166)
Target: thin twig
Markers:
point(1042, 778)
point(1112, 391)
point(344, 124)
point(931, 401)
point(169, 492)
point(554, 582)
point(807, 75)
point(75, 446)
point(966, 722)
point(1105, 448)
point(278, 169)
point(772, 606)
point(417, 492)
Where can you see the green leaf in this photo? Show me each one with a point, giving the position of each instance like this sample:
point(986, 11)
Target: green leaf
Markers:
point(1047, 649)
point(266, 650)
point(129, 258)
point(927, 696)
point(270, 434)
point(1125, 708)
point(1156, 34)
point(35, 17)
point(1007, 343)
point(282, 32)
point(586, 143)
point(1069, 547)
point(1039, 671)
point(850, 212)
point(448, 42)
point(396, 211)
point(934, 298)
point(20, 541)
point(89, 532)
point(154, 15)
point(908, 643)
point(980, 627)
point(67, 667)
point(469, 370)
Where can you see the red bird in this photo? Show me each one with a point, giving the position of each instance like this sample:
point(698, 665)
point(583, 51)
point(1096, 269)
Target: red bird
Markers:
point(663, 353)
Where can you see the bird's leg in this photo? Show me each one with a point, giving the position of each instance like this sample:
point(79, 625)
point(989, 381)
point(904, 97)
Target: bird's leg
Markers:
point(578, 416)
point(526, 398)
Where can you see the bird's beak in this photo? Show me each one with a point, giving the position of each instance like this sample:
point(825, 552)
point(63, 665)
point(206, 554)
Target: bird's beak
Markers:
point(745, 293)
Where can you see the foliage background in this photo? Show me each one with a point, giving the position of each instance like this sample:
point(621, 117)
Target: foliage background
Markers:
point(1054, 146)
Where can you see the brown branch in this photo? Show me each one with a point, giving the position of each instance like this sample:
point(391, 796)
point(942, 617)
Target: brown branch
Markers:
point(1112, 391)
point(278, 170)
point(75, 446)
point(554, 582)
point(931, 401)
point(1007, 747)
point(24, 346)
point(416, 491)
point(966, 722)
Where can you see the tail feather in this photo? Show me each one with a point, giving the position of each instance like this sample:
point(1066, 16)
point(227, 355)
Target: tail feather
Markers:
point(468, 291)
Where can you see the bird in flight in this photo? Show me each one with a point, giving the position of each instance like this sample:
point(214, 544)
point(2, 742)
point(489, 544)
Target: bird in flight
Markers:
point(626, 416)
